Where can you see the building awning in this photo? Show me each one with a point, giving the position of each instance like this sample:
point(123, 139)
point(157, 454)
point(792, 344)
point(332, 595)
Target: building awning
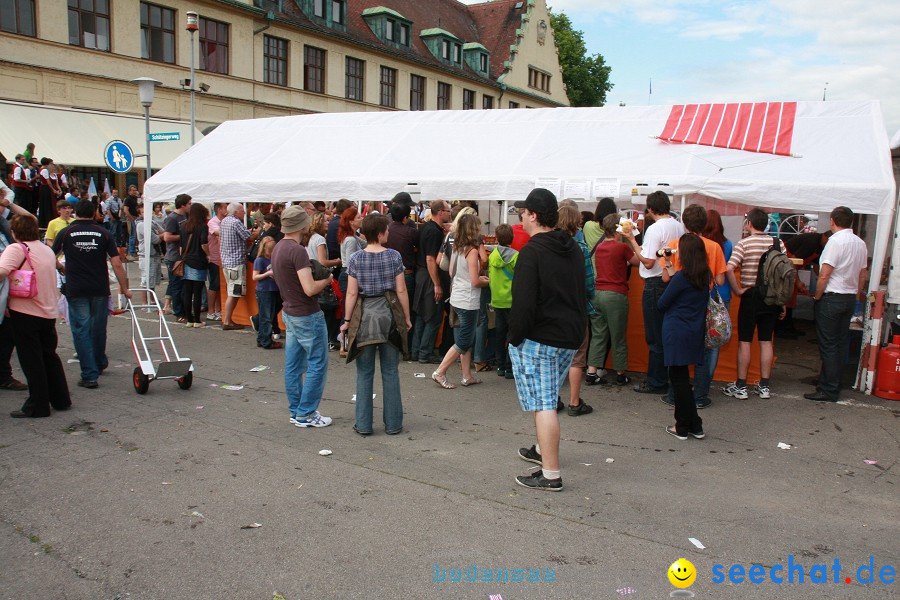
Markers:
point(77, 138)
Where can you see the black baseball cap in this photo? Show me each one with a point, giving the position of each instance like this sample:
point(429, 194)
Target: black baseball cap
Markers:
point(539, 200)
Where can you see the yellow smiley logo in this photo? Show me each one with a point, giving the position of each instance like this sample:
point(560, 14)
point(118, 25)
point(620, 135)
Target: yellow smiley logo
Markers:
point(682, 573)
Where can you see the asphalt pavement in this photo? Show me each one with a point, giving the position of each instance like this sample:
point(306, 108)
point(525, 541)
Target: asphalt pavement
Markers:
point(212, 493)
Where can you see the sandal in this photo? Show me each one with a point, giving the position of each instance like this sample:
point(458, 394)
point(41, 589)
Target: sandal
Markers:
point(441, 380)
point(482, 367)
point(467, 382)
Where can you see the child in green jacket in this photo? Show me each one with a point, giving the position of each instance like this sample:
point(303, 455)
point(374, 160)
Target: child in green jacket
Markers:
point(501, 269)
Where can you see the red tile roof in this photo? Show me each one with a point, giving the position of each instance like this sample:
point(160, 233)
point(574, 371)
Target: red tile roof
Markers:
point(492, 24)
point(497, 23)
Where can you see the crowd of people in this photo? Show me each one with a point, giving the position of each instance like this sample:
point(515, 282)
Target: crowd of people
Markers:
point(542, 302)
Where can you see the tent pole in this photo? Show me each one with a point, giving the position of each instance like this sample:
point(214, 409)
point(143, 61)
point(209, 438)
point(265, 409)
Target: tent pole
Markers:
point(683, 199)
point(506, 211)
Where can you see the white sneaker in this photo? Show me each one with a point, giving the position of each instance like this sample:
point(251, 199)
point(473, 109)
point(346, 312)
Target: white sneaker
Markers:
point(762, 391)
point(735, 392)
point(314, 420)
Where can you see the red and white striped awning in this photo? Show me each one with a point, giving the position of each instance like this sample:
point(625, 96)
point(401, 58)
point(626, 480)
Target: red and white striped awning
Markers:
point(766, 127)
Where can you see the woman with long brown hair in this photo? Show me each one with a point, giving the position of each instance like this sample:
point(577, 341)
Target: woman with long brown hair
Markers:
point(465, 299)
point(683, 305)
point(195, 253)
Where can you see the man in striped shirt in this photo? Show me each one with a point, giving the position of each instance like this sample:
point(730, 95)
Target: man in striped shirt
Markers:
point(753, 313)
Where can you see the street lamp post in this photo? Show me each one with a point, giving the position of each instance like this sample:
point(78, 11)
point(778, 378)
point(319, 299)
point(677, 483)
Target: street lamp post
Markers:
point(146, 90)
point(192, 19)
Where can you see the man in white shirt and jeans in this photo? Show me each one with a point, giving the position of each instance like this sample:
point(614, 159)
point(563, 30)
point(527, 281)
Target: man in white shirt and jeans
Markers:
point(657, 235)
point(842, 278)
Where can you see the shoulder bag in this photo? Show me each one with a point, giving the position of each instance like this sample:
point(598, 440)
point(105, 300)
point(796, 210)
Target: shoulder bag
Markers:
point(23, 284)
point(446, 250)
point(178, 267)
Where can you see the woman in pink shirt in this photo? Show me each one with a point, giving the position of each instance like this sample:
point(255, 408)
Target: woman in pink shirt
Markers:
point(34, 321)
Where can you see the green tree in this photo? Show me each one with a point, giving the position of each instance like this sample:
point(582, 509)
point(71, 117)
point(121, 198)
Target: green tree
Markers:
point(586, 77)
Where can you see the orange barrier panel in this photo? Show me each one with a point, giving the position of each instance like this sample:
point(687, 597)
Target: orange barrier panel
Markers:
point(246, 306)
point(638, 355)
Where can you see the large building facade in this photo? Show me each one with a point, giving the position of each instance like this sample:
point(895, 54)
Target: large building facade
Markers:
point(264, 58)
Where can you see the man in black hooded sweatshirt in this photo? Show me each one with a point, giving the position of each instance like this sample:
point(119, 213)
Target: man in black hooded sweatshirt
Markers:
point(547, 323)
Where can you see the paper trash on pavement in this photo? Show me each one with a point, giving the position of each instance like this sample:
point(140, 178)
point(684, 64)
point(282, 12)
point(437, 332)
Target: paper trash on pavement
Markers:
point(870, 462)
point(325, 452)
point(697, 543)
point(784, 446)
point(251, 526)
point(233, 388)
point(259, 368)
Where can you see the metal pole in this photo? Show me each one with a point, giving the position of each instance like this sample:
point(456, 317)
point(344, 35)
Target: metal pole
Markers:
point(148, 214)
point(193, 87)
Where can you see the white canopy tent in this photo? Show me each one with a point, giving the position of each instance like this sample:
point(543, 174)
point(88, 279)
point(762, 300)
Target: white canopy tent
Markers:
point(840, 156)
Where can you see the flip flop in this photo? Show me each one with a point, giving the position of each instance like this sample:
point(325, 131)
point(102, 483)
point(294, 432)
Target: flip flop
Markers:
point(467, 382)
point(482, 367)
point(441, 380)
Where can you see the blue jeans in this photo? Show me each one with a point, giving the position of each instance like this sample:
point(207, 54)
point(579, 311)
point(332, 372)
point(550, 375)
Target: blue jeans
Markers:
point(390, 387)
point(132, 237)
point(657, 374)
point(87, 318)
point(501, 331)
point(174, 290)
point(833, 313)
point(306, 353)
point(268, 308)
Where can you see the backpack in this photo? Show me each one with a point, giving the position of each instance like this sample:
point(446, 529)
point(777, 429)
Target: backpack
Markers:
point(776, 277)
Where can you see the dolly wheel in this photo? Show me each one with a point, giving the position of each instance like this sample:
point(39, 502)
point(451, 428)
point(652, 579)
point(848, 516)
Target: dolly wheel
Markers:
point(141, 382)
point(186, 381)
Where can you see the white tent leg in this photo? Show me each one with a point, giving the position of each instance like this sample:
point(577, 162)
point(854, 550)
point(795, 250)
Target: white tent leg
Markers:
point(683, 200)
point(506, 211)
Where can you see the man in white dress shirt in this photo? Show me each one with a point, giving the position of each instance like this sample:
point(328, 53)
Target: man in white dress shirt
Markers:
point(842, 279)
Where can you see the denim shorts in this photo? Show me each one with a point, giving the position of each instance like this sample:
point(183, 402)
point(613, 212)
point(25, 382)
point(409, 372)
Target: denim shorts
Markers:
point(464, 335)
point(192, 274)
point(539, 371)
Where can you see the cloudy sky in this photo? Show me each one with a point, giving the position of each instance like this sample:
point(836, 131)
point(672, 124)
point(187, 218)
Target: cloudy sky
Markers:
point(707, 51)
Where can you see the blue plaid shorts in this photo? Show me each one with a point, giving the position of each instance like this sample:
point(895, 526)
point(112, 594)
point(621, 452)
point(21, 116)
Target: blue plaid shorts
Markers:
point(539, 371)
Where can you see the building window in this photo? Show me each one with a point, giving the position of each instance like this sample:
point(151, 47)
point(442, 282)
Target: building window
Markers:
point(275, 60)
point(468, 99)
point(513, 104)
point(484, 63)
point(337, 11)
point(443, 99)
point(17, 16)
point(404, 34)
point(487, 101)
point(157, 33)
point(445, 49)
point(389, 29)
point(213, 46)
point(314, 69)
point(388, 87)
point(538, 80)
point(416, 92)
point(319, 8)
point(457, 53)
point(89, 24)
point(355, 79)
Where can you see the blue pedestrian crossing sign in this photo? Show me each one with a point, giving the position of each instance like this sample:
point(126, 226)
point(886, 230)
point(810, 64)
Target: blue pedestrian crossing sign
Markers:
point(118, 156)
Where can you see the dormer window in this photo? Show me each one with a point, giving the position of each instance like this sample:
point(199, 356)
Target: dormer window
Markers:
point(444, 46)
point(330, 13)
point(391, 27)
point(477, 58)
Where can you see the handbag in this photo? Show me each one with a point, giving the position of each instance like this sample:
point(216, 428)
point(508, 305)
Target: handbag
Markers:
point(446, 252)
point(178, 267)
point(23, 284)
point(718, 322)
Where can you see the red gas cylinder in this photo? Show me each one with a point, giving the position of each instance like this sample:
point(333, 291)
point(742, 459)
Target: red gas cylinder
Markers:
point(887, 376)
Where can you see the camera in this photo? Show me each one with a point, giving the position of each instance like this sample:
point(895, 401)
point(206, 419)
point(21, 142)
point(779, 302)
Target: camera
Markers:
point(666, 252)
